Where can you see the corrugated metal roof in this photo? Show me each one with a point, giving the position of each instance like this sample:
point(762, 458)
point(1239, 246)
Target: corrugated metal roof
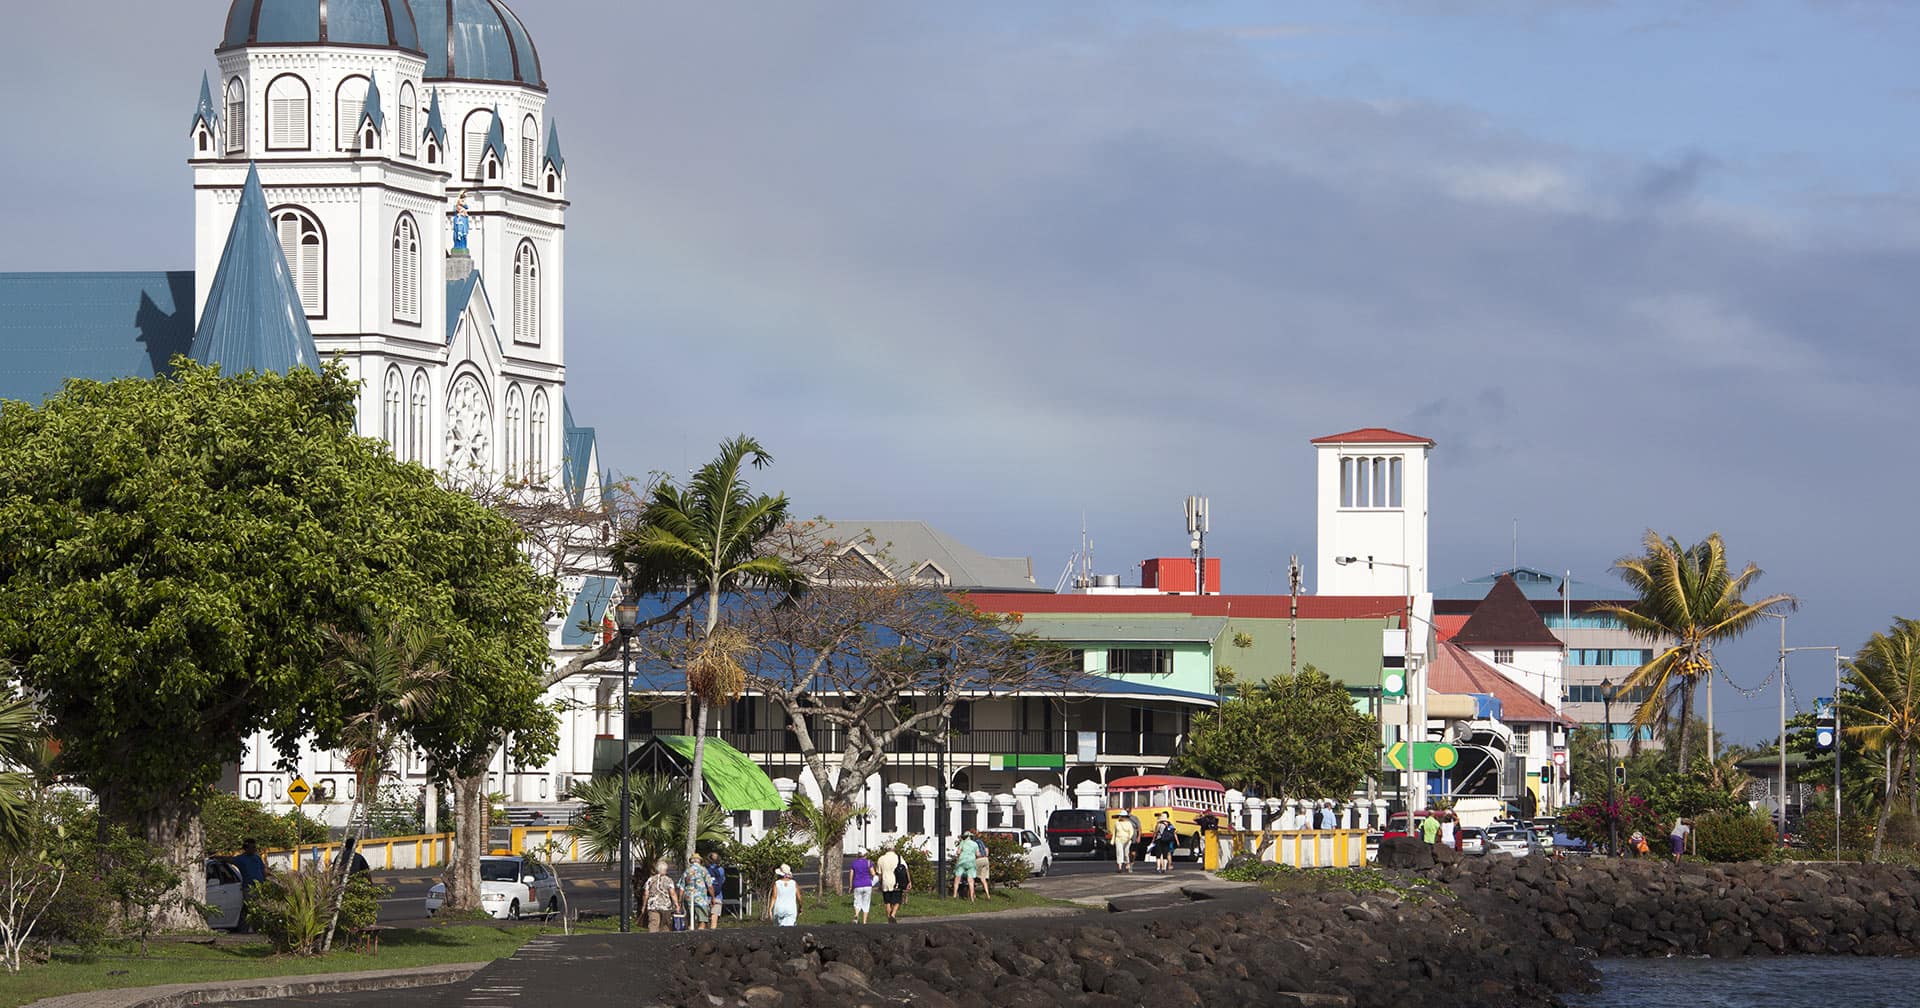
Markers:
point(1506, 617)
point(459, 292)
point(1537, 585)
point(908, 546)
point(99, 326)
point(253, 320)
point(1455, 670)
point(589, 608)
point(1237, 606)
point(577, 467)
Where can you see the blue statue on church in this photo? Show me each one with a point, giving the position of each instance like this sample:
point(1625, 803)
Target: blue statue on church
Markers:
point(461, 223)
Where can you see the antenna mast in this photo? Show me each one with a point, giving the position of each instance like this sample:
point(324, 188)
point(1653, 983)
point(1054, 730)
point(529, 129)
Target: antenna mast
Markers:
point(1197, 534)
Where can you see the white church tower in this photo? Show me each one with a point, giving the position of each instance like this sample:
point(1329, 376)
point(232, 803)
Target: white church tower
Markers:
point(371, 122)
point(1372, 503)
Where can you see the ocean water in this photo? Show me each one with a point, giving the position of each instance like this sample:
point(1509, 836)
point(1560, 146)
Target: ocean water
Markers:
point(1783, 982)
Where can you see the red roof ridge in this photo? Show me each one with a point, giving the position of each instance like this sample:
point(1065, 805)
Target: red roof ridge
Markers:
point(1456, 666)
point(1505, 617)
point(1373, 435)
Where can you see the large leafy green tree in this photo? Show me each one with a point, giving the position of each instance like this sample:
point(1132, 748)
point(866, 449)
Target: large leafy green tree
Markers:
point(1882, 711)
point(1294, 736)
point(1689, 599)
point(708, 538)
point(174, 542)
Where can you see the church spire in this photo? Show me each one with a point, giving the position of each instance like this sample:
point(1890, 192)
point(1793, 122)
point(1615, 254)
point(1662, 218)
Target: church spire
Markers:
point(370, 112)
point(205, 112)
point(436, 126)
point(555, 159)
point(253, 319)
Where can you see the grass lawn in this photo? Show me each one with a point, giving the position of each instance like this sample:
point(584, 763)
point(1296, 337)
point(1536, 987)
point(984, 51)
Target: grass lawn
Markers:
point(832, 909)
point(72, 970)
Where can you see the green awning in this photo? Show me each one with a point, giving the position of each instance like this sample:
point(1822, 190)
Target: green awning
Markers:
point(733, 781)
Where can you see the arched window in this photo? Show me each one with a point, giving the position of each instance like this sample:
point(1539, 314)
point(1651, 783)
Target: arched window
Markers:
point(236, 116)
point(526, 295)
point(529, 152)
point(392, 413)
point(349, 104)
point(409, 107)
point(553, 181)
point(537, 438)
point(305, 247)
point(1376, 481)
point(288, 126)
point(474, 132)
point(418, 432)
point(516, 416)
point(433, 151)
point(406, 270)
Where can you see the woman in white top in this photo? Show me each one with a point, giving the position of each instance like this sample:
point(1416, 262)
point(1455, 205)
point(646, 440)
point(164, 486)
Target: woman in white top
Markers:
point(785, 898)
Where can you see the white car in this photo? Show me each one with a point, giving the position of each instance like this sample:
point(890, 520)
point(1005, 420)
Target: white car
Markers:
point(1039, 855)
point(224, 894)
point(1511, 842)
point(1473, 840)
point(510, 888)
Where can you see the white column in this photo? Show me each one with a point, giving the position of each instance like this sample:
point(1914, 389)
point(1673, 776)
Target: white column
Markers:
point(929, 799)
point(978, 801)
point(1256, 813)
point(1025, 791)
point(1380, 811)
point(1088, 795)
point(786, 786)
point(956, 812)
point(897, 792)
point(1236, 809)
point(1005, 803)
point(1276, 812)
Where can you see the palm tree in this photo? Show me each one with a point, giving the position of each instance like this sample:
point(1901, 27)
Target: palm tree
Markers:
point(826, 824)
point(22, 739)
point(711, 537)
point(657, 812)
point(1689, 601)
point(389, 676)
point(1883, 712)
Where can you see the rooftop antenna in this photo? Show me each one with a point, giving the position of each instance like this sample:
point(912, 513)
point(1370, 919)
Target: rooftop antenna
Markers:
point(1197, 533)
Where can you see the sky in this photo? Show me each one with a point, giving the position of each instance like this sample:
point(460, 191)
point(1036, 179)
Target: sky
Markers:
point(1007, 266)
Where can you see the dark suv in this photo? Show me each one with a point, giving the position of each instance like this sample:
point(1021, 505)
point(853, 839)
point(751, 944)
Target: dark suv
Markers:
point(1078, 831)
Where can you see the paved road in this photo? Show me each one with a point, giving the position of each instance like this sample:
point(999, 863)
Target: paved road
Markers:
point(589, 889)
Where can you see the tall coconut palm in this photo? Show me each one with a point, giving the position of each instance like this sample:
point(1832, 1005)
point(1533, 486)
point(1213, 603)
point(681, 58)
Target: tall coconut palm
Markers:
point(1883, 712)
point(21, 741)
point(711, 536)
point(1689, 601)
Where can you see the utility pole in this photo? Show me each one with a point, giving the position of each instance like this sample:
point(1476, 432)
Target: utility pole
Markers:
point(1293, 614)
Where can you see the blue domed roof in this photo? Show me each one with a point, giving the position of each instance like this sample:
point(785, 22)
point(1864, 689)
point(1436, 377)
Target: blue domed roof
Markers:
point(476, 40)
point(339, 22)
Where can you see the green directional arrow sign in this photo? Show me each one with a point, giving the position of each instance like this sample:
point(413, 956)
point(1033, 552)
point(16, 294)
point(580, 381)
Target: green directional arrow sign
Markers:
point(1426, 756)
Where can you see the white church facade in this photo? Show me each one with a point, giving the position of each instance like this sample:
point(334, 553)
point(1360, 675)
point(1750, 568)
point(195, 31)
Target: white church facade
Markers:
point(400, 158)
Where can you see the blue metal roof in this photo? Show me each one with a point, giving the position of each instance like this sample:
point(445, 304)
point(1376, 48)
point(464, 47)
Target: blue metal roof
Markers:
point(582, 628)
point(575, 467)
point(99, 326)
point(206, 111)
point(340, 22)
point(476, 40)
point(253, 320)
point(459, 292)
point(436, 126)
point(554, 157)
point(496, 140)
point(371, 110)
point(1536, 585)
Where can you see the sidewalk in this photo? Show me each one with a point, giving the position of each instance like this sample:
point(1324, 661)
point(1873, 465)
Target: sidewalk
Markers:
point(219, 992)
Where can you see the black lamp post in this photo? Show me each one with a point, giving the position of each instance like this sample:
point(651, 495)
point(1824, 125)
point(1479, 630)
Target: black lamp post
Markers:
point(625, 617)
point(1613, 810)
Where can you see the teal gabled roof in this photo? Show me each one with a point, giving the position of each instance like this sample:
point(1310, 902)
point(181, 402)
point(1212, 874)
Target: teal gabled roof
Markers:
point(577, 465)
point(98, 326)
point(206, 111)
point(554, 157)
point(371, 110)
point(436, 126)
point(253, 320)
point(459, 292)
point(496, 140)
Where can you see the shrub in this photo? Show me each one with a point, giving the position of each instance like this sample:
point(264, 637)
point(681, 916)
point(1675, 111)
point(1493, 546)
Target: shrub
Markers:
point(1247, 868)
point(1588, 821)
point(228, 819)
point(1007, 860)
point(1903, 830)
point(396, 811)
point(756, 861)
point(919, 863)
point(1736, 836)
point(291, 908)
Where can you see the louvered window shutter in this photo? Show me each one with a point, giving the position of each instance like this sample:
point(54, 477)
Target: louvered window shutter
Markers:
point(529, 152)
point(349, 104)
point(236, 118)
point(407, 103)
point(526, 296)
point(406, 271)
point(287, 127)
point(476, 150)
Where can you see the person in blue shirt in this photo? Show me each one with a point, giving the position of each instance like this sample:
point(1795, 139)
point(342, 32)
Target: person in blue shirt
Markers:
point(253, 871)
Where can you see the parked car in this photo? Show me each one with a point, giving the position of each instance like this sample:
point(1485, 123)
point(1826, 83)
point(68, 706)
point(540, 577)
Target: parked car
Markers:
point(1473, 840)
point(1078, 831)
point(1511, 842)
point(1039, 858)
point(225, 891)
point(509, 888)
point(1564, 844)
point(1373, 845)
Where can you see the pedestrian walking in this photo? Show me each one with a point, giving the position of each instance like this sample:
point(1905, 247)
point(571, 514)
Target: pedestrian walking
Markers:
point(1681, 827)
point(1123, 832)
point(893, 883)
point(697, 886)
point(1164, 840)
point(966, 865)
point(784, 900)
point(1449, 833)
point(1430, 828)
point(660, 898)
point(253, 871)
point(717, 873)
point(983, 867)
point(860, 880)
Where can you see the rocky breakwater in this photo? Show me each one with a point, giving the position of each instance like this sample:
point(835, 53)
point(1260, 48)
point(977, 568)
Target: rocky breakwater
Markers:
point(1648, 907)
point(1327, 948)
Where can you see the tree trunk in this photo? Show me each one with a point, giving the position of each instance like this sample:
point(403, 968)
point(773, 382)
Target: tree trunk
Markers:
point(833, 861)
point(470, 827)
point(175, 832)
point(1686, 722)
point(343, 869)
point(696, 781)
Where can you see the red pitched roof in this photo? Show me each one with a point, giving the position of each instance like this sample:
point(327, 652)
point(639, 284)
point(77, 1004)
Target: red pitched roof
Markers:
point(1324, 607)
point(1454, 670)
point(1507, 619)
point(1373, 435)
point(1445, 626)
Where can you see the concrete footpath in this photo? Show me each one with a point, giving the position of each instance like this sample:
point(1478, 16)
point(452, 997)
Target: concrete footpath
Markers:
point(502, 982)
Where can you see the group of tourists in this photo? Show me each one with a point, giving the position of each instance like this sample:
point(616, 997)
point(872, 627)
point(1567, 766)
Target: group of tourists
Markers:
point(889, 874)
point(690, 900)
point(1124, 832)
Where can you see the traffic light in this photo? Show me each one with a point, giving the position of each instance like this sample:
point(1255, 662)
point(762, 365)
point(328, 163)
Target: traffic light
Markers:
point(1393, 664)
point(1825, 725)
point(1620, 774)
point(1546, 773)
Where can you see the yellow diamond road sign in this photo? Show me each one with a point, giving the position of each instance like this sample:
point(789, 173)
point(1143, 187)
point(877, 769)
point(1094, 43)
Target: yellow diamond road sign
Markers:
point(298, 791)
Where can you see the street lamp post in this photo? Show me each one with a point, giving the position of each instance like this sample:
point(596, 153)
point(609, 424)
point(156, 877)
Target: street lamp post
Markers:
point(626, 616)
point(1613, 809)
point(1414, 693)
